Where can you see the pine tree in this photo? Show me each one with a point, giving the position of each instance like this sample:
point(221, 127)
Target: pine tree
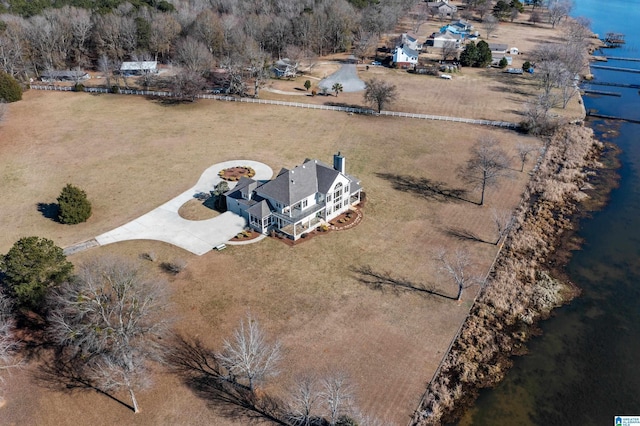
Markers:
point(74, 205)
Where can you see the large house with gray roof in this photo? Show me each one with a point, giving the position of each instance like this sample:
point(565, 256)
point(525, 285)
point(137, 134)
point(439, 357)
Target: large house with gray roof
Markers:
point(297, 200)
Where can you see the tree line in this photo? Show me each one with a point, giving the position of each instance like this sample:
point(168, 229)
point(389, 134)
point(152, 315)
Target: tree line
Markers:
point(195, 34)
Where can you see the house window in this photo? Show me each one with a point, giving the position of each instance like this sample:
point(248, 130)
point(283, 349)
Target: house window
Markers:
point(305, 203)
point(338, 191)
point(328, 197)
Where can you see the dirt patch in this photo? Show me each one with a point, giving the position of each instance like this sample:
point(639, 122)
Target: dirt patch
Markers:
point(197, 210)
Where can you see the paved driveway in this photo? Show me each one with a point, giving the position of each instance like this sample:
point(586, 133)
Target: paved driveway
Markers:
point(347, 75)
point(165, 224)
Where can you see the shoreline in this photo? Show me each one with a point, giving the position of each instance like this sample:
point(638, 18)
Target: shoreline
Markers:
point(526, 283)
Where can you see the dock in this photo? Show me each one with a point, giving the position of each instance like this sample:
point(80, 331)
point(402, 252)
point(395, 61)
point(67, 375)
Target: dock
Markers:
point(601, 92)
point(606, 83)
point(611, 117)
point(620, 58)
point(607, 67)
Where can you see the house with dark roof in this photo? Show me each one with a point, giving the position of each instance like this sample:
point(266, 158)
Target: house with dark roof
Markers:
point(411, 41)
point(404, 56)
point(297, 200)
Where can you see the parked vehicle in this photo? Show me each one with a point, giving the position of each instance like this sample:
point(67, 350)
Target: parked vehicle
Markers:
point(378, 63)
point(446, 76)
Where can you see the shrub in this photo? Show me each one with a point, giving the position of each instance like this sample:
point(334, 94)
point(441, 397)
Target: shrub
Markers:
point(73, 205)
point(149, 255)
point(115, 89)
point(307, 84)
point(526, 66)
point(314, 92)
point(10, 90)
point(78, 87)
point(175, 266)
point(503, 63)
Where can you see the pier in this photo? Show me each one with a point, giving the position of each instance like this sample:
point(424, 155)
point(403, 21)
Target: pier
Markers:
point(601, 92)
point(607, 67)
point(611, 117)
point(606, 83)
point(620, 58)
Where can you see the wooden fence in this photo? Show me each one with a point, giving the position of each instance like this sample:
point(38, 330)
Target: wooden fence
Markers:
point(351, 110)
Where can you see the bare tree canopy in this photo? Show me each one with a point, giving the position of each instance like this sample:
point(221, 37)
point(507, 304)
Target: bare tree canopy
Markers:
point(109, 317)
point(503, 221)
point(337, 397)
point(304, 400)
point(523, 153)
point(457, 265)
point(488, 163)
point(9, 343)
point(248, 355)
point(379, 93)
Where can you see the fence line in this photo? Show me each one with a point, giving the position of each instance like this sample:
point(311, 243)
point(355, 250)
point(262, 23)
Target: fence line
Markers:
point(351, 110)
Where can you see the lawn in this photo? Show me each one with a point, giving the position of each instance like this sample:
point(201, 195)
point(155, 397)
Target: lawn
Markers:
point(131, 154)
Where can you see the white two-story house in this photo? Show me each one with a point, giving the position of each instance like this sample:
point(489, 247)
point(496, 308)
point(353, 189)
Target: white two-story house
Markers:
point(297, 200)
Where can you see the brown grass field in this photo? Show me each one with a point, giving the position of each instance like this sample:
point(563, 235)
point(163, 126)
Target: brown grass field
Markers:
point(131, 154)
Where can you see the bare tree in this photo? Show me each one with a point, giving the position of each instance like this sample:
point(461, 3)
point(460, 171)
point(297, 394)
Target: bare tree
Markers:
point(9, 343)
point(164, 30)
point(337, 396)
point(193, 55)
point(523, 153)
point(365, 45)
point(490, 25)
point(488, 163)
point(420, 16)
point(249, 355)
point(187, 84)
point(304, 401)
point(503, 221)
point(457, 266)
point(109, 319)
point(536, 112)
point(449, 50)
point(558, 10)
point(379, 93)
point(483, 8)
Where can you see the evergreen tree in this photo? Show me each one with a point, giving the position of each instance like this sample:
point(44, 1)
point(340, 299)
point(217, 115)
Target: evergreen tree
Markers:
point(469, 55)
point(10, 90)
point(74, 206)
point(31, 267)
point(484, 54)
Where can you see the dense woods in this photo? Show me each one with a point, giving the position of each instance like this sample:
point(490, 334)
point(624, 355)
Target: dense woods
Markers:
point(37, 36)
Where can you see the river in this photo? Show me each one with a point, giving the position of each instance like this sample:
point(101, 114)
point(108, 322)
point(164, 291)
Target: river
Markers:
point(585, 367)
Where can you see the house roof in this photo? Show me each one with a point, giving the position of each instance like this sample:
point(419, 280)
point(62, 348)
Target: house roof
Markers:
point(408, 51)
point(139, 65)
point(497, 46)
point(447, 35)
point(292, 186)
point(63, 74)
point(260, 209)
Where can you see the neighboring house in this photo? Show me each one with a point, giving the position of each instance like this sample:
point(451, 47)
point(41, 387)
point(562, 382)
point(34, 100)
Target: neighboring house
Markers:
point(298, 200)
point(285, 68)
point(139, 67)
point(439, 39)
point(442, 8)
point(411, 42)
point(462, 25)
point(498, 49)
point(404, 56)
point(64, 75)
point(495, 59)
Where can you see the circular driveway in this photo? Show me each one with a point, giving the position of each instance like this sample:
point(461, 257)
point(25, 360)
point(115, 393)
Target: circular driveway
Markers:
point(165, 224)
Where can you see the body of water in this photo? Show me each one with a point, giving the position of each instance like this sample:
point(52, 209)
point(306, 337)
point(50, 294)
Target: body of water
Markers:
point(585, 368)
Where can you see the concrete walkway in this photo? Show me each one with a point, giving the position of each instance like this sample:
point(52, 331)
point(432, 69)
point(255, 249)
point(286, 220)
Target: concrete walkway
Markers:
point(165, 224)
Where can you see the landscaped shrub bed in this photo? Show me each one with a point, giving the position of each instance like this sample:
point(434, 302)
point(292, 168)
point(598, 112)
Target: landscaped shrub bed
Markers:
point(233, 174)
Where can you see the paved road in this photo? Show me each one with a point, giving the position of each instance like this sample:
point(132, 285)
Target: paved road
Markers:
point(347, 75)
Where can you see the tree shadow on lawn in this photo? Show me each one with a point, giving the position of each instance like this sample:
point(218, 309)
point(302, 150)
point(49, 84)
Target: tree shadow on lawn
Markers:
point(384, 280)
point(49, 210)
point(465, 235)
point(64, 373)
point(426, 188)
point(199, 369)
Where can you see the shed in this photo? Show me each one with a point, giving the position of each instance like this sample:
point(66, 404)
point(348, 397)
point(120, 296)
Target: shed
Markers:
point(64, 75)
point(139, 67)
